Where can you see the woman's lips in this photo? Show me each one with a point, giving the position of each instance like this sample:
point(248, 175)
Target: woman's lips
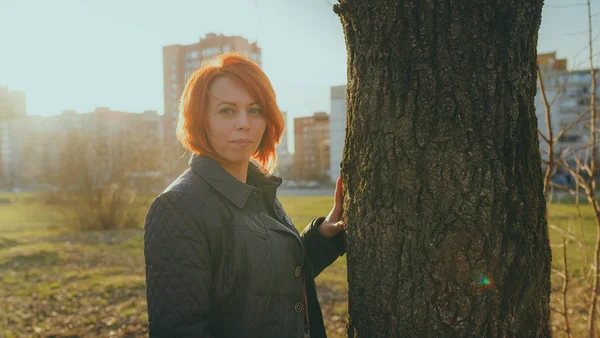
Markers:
point(242, 143)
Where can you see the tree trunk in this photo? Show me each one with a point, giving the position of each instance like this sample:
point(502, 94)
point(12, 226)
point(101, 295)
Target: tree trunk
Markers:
point(447, 235)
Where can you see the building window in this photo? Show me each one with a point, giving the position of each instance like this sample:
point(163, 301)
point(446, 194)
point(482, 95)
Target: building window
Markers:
point(210, 51)
point(173, 76)
point(192, 54)
point(568, 103)
point(226, 48)
point(192, 64)
point(569, 138)
point(255, 56)
point(583, 102)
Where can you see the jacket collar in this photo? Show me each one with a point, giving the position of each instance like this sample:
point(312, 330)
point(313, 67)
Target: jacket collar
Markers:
point(230, 187)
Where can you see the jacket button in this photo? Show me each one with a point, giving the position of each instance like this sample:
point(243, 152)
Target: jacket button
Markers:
point(256, 193)
point(288, 220)
point(299, 307)
point(297, 271)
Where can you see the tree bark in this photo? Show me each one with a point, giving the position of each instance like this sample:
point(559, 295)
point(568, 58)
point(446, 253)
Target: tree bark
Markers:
point(447, 235)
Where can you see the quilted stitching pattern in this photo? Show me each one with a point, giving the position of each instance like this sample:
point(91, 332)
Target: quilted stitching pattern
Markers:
point(257, 285)
point(203, 274)
point(178, 273)
point(321, 251)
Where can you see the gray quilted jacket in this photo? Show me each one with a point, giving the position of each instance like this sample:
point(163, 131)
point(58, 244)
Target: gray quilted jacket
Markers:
point(210, 256)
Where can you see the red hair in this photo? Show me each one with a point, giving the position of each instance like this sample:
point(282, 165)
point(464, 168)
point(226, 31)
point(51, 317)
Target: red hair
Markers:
point(191, 124)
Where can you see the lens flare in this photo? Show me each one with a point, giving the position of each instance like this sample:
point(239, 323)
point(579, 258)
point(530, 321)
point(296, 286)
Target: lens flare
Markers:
point(483, 280)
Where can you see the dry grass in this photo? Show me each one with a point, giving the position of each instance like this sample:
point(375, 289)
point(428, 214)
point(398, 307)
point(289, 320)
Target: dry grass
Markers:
point(59, 283)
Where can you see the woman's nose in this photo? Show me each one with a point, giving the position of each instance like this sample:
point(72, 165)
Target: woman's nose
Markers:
point(243, 121)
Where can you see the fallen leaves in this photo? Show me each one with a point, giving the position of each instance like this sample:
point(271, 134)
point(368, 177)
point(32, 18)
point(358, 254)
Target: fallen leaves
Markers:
point(92, 285)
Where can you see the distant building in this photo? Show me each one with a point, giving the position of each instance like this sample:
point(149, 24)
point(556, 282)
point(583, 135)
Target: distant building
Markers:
point(311, 143)
point(285, 160)
point(548, 62)
point(569, 94)
point(572, 104)
point(337, 129)
point(12, 104)
point(180, 61)
point(551, 71)
point(31, 146)
point(121, 135)
point(6, 155)
point(282, 147)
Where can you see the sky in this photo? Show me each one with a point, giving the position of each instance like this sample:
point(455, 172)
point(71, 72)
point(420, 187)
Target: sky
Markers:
point(82, 54)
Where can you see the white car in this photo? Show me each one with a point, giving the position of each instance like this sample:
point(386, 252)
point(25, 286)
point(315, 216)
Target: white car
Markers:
point(313, 184)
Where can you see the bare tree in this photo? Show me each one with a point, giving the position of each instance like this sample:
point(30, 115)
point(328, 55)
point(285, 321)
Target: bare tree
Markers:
point(553, 163)
point(591, 186)
point(586, 179)
point(549, 139)
point(97, 182)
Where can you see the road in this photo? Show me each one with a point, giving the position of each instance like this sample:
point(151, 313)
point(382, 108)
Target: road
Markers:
point(305, 192)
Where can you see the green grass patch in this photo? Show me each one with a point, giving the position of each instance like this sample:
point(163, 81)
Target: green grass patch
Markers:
point(581, 228)
point(22, 212)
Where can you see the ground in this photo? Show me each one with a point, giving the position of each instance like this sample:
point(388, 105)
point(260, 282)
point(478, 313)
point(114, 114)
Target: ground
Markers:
point(55, 282)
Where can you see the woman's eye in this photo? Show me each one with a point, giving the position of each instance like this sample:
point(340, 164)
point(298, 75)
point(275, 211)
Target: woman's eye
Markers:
point(255, 111)
point(226, 111)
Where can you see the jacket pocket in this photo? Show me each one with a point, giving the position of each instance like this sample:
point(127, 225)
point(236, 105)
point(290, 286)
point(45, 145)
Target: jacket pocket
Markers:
point(271, 330)
point(271, 324)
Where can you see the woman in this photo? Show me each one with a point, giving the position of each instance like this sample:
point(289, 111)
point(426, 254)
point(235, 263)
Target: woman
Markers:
point(222, 257)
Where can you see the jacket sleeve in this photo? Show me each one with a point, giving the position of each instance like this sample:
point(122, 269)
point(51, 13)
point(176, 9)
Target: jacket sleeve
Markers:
point(321, 251)
point(178, 269)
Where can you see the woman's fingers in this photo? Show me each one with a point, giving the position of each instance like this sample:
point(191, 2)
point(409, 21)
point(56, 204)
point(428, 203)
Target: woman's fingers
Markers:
point(328, 229)
point(336, 211)
point(339, 191)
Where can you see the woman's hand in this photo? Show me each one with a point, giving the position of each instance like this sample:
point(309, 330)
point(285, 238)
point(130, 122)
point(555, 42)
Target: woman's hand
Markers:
point(332, 224)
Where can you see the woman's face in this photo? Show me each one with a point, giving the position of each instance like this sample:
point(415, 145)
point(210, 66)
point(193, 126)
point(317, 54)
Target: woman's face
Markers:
point(236, 123)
